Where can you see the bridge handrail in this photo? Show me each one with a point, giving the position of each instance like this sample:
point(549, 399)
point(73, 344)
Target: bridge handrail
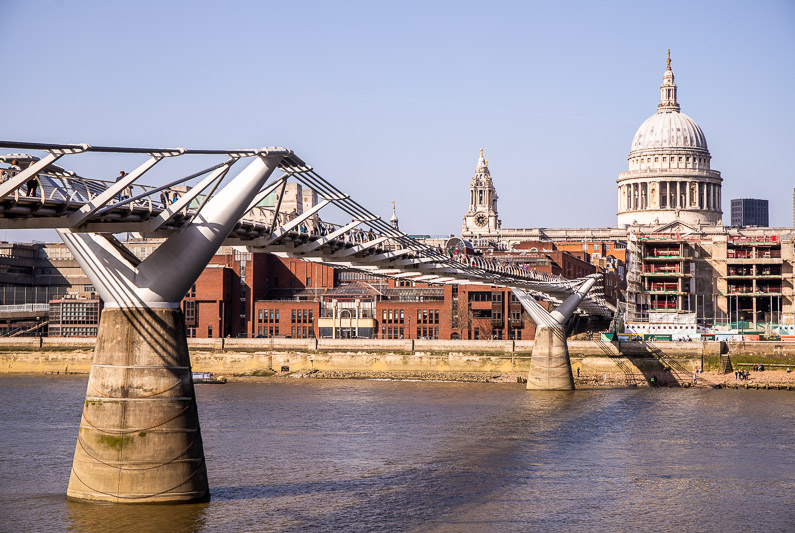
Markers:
point(21, 308)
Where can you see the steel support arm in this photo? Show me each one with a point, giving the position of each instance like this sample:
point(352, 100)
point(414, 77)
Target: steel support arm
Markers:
point(314, 245)
point(353, 250)
point(559, 316)
point(294, 223)
point(17, 181)
point(567, 308)
point(265, 192)
point(183, 201)
point(389, 255)
point(80, 216)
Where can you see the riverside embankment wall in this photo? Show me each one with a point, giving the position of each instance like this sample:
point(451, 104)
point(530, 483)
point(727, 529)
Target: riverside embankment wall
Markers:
point(242, 356)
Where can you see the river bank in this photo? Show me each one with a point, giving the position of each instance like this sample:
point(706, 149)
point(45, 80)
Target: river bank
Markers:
point(768, 380)
point(595, 363)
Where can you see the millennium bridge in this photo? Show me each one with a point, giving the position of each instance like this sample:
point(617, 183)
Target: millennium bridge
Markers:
point(139, 439)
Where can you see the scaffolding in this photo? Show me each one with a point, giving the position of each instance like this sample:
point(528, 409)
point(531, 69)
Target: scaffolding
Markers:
point(635, 297)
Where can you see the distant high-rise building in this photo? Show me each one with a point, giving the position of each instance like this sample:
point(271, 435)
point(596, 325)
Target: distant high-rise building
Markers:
point(749, 212)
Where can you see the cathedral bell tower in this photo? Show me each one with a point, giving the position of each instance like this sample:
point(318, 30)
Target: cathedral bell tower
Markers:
point(481, 218)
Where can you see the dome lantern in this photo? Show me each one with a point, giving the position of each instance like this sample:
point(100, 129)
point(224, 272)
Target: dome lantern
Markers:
point(668, 89)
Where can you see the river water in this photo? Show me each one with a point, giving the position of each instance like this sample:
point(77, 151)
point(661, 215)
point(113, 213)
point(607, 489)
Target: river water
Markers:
point(313, 455)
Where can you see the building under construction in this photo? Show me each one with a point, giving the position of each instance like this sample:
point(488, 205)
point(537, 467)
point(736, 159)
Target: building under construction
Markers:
point(724, 280)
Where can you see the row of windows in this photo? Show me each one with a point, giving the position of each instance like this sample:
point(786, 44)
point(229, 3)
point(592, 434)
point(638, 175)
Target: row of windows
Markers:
point(301, 316)
point(686, 159)
point(267, 331)
point(67, 308)
point(268, 315)
point(514, 333)
point(302, 332)
point(78, 332)
point(480, 296)
point(427, 333)
point(389, 316)
point(392, 333)
point(427, 316)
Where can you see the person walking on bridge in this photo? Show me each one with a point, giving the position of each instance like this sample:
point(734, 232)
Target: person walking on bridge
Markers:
point(121, 195)
point(33, 185)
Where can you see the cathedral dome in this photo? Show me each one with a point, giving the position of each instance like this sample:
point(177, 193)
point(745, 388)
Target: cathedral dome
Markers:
point(669, 129)
point(669, 176)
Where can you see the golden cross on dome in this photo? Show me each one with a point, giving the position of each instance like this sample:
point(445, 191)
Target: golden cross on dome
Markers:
point(668, 62)
point(481, 153)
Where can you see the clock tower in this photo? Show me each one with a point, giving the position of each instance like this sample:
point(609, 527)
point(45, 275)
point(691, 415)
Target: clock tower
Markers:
point(481, 218)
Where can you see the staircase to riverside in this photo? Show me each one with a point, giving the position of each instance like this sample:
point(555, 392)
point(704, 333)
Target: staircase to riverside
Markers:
point(618, 360)
point(29, 330)
point(725, 365)
point(682, 373)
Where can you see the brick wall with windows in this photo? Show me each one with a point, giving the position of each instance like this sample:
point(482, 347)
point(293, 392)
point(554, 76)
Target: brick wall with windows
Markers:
point(410, 320)
point(208, 305)
point(281, 318)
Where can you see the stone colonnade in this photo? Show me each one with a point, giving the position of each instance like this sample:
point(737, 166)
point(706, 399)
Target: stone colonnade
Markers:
point(670, 194)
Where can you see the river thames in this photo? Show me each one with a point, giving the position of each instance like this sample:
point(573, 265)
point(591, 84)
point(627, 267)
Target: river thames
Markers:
point(314, 455)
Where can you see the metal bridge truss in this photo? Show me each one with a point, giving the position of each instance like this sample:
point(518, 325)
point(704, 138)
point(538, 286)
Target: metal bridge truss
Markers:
point(66, 201)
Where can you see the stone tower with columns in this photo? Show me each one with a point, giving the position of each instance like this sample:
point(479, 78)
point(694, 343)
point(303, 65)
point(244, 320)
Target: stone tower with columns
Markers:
point(482, 217)
point(394, 220)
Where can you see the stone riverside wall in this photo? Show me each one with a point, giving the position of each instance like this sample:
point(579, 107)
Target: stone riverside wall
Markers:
point(242, 356)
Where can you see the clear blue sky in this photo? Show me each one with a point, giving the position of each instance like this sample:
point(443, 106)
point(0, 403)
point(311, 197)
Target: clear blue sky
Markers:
point(393, 100)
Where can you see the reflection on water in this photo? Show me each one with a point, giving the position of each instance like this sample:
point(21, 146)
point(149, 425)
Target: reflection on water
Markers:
point(102, 518)
point(300, 455)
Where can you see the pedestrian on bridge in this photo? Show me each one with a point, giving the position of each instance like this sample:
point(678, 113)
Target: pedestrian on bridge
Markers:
point(121, 197)
point(33, 185)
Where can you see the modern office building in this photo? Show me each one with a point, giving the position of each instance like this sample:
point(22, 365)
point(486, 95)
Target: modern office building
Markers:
point(749, 212)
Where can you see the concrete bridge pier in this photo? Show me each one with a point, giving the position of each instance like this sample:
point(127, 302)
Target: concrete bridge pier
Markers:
point(550, 366)
point(140, 439)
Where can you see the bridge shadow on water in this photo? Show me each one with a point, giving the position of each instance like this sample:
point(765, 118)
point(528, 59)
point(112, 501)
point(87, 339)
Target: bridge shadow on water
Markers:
point(387, 502)
point(456, 490)
point(471, 484)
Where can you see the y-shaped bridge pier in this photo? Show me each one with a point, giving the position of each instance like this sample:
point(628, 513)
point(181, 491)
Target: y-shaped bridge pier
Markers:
point(550, 366)
point(140, 439)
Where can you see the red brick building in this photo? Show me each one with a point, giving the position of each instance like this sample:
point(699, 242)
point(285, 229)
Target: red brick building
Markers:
point(242, 294)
